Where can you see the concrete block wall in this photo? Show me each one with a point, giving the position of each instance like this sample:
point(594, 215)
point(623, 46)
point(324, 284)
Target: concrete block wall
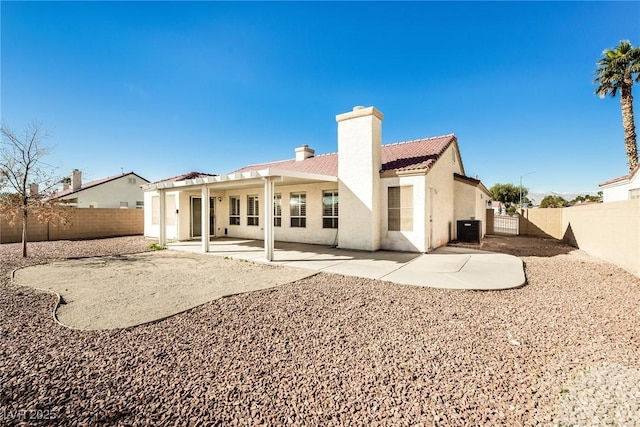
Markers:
point(85, 224)
point(541, 223)
point(610, 231)
point(489, 221)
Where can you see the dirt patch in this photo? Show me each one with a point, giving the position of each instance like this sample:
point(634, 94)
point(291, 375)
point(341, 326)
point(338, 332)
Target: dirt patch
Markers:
point(124, 290)
point(521, 246)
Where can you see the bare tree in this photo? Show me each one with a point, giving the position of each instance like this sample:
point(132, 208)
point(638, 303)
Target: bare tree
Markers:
point(29, 180)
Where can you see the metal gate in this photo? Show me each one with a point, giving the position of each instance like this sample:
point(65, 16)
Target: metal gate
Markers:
point(506, 224)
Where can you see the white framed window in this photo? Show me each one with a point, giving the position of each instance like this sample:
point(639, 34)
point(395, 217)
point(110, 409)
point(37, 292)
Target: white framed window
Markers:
point(124, 205)
point(155, 210)
point(234, 210)
point(253, 210)
point(132, 180)
point(330, 209)
point(400, 208)
point(170, 206)
point(634, 193)
point(139, 204)
point(277, 210)
point(298, 204)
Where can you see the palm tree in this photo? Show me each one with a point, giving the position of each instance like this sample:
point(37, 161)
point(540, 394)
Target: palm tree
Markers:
point(617, 70)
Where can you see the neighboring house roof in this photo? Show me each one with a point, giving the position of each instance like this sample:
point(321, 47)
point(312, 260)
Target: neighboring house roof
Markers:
point(185, 176)
point(627, 177)
point(418, 154)
point(94, 183)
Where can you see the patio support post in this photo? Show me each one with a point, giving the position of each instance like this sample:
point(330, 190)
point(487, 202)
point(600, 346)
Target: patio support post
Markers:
point(268, 218)
point(163, 217)
point(206, 232)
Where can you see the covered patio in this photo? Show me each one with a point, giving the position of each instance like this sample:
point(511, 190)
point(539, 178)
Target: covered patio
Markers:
point(265, 180)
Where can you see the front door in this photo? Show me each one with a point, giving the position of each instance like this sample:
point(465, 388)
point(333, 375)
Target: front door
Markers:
point(196, 216)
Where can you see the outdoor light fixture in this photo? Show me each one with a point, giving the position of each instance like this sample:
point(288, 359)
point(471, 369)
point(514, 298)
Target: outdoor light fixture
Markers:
point(220, 199)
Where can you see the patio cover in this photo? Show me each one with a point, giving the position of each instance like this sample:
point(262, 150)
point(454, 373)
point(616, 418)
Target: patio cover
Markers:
point(268, 178)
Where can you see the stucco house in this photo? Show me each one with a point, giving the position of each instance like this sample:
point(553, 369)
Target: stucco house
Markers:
point(622, 188)
point(367, 196)
point(121, 191)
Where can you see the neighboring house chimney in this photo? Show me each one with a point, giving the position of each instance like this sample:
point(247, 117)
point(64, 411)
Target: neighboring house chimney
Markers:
point(33, 190)
point(359, 164)
point(76, 180)
point(65, 185)
point(304, 152)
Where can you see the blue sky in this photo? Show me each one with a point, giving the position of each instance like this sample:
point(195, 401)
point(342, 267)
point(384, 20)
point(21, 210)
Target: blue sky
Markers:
point(162, 88)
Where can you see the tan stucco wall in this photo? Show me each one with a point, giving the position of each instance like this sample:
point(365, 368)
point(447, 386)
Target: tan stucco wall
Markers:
point(111, 193)
point(440, 179)
point(469, 203)
point(86, 224)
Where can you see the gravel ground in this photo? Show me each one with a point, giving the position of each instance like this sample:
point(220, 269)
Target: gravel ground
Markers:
point(335, 350)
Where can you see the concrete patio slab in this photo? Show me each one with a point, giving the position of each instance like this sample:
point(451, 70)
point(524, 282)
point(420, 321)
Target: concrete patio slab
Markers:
point(446, 267)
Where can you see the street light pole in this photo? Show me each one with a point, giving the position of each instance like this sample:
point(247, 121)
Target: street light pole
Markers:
point(521, 176)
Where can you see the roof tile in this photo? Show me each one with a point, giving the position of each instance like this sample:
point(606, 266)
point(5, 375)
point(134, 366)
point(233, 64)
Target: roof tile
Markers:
point(409, 155)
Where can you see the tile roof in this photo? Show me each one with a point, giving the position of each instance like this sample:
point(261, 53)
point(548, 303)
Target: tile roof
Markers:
point(325, 164)
point(185, 176)
point(416, 154)
point(94, 183)
point(409, 155)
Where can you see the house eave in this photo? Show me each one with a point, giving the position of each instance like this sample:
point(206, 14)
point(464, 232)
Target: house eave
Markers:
point(622, 180)
point(403, 172)
point(245, 179)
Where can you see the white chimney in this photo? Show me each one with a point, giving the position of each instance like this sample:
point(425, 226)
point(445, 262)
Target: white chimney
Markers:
point(359, 164)
point(76, 179)
point(33, 189)
point(304, 152)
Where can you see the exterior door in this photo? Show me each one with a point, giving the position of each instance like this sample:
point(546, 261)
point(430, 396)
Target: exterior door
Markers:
point(196, 216)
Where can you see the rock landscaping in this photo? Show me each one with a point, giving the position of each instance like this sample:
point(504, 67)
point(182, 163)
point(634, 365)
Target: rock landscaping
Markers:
point(335, 350)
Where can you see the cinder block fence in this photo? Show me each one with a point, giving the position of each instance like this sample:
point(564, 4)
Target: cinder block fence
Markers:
point(610, 231)
point(85, 224)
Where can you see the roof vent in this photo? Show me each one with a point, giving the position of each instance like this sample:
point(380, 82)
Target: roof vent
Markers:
point(358, 107)
point(304, 152)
